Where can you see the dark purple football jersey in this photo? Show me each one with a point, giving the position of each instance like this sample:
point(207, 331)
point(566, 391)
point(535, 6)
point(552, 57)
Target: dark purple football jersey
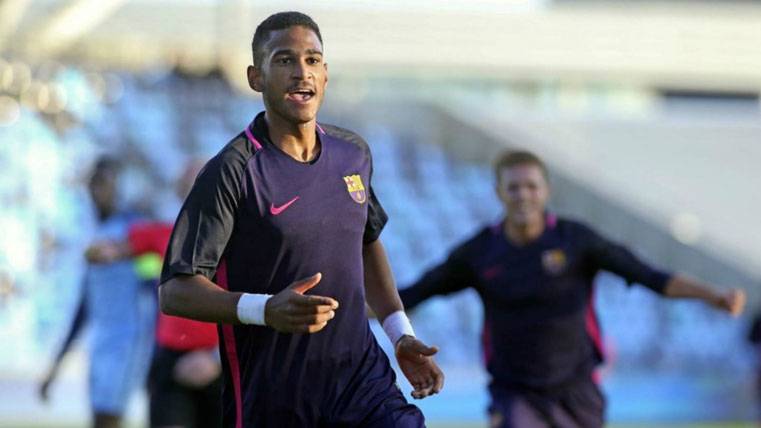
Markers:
point(540, 327)
point(257, 220)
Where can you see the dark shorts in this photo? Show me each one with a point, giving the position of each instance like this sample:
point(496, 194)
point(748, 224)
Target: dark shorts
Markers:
point(576, 405)
point(172, 404)
point(391, 412)
point(366, 396)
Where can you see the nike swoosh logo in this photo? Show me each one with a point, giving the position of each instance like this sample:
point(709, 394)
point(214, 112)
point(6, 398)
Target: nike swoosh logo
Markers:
point(277, 210)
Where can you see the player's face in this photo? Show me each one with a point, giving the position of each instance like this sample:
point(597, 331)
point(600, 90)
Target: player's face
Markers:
point(524, 192)
point(293, 76)
point(103, 192)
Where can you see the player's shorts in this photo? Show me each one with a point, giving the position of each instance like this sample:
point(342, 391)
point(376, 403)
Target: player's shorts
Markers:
point(173, 404)
point(120, 356)
point(577, 405)
point(367, 397)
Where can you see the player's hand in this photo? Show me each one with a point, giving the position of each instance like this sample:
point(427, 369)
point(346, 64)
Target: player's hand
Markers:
point(290, 311)
point(196, 369)
point(103, 252)
point(416, 361)
point(732, 301)
point(44, 389)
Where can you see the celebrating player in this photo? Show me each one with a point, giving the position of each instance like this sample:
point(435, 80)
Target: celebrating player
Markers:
point(534, 274)
point(278, 242)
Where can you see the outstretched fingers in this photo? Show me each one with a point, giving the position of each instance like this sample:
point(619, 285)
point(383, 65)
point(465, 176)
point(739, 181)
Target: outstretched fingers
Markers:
point(736, 302)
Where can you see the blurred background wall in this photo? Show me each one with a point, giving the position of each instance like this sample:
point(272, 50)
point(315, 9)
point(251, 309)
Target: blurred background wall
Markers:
point(647, 113)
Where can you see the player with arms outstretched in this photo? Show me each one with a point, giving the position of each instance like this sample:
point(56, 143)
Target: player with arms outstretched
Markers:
point(534, 273)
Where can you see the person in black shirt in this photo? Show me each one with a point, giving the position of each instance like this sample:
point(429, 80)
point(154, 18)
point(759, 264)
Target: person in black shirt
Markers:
point(534, 273)
point(281, 227)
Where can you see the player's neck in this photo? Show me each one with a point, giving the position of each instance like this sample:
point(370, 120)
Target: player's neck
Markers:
point(105, 213)
point(299, 141)
point(524, 233)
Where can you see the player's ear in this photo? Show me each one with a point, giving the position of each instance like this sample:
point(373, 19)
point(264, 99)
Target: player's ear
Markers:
point(326, 73)
point(255, 78)
point(499, 189)
point(548, 188)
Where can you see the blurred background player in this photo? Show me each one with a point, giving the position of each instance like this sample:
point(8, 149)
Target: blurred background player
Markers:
point(184, 382)
point(120, 311)
point(534, 273)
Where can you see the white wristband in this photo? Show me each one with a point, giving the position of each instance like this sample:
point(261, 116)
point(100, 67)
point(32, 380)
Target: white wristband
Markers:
point(397, 325)
point(251, 308)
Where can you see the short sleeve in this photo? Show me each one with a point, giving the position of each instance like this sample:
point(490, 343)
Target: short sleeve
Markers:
point(618, 259)
point(376, 215)
point(207, 218)
point(376, 218)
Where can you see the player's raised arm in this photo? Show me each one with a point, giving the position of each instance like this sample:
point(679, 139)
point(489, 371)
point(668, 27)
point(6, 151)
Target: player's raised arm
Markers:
point(619, 260)
point(681, 286)
point(414, 357)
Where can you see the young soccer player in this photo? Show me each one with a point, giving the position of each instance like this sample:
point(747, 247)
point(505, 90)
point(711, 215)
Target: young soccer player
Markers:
point(278, 242)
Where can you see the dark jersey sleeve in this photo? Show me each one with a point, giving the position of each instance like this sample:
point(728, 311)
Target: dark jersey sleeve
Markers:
point(616, 258)
point(376, 218)
point(207, 218)
point(453, 275)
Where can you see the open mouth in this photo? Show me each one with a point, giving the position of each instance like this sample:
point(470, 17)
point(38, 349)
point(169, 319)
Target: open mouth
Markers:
point(301, 95)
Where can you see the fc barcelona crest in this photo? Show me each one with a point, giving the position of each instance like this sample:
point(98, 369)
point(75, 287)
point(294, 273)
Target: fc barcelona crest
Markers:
point(554, 261)
point(356, 188)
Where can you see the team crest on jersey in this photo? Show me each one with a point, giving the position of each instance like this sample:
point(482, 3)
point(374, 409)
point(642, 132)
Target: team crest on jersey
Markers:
point(554, 261)
point(356, 188)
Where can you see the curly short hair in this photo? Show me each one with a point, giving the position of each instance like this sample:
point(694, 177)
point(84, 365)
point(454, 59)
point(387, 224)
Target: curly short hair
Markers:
point(279, 21)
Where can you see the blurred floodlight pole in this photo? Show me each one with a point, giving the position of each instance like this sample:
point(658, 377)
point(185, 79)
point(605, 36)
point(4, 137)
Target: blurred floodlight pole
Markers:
point(11, 12)
point(70, 22)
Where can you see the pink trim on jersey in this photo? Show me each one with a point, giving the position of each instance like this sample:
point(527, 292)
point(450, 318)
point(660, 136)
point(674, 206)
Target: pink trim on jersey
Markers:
point(552, 221)
point(486, 343)
point(491, 272)
point(322, 131)
point(230, 350)
point(593, 330)
point(252, 139)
